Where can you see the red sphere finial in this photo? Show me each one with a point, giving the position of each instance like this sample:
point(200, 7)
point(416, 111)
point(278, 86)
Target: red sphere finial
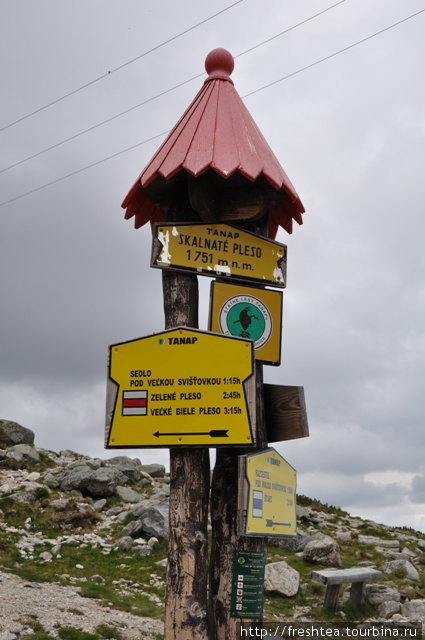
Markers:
point(219, 63)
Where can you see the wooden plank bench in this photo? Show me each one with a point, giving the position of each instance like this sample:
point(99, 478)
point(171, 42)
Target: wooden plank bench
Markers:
point(334, 578)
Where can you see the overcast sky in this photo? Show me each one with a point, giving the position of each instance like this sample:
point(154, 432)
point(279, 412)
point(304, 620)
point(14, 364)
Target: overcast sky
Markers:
point(349, 132)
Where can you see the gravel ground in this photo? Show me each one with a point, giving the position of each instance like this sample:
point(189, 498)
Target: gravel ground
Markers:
point(23, 602)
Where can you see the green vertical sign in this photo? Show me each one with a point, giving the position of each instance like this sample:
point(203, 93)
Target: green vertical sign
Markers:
point(247, 584)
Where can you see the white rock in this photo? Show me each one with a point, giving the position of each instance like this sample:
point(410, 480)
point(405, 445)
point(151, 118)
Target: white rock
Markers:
point(414, 610)
point(280, 578)
point(388, 608)
point(402, 567)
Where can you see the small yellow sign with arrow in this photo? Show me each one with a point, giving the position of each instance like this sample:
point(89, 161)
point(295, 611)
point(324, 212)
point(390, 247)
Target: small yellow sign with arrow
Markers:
point(268, 494)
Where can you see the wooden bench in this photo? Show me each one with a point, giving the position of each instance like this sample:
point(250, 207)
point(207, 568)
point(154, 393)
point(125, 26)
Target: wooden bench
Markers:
point(334, 578)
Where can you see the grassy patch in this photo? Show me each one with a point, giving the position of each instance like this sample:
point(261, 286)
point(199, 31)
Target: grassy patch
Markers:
point(128, 579)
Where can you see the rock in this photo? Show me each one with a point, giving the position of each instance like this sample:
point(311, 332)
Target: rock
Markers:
point(13, 433)
point(296, 543)
point(402, 568)
point(133, 528)
point(378, 593)
point(23, 497)
point(128, 495)
point(51, 480)
point(99, 483)
point(144, 482)
point(99, 504)
point(60, 504)
point(280, 578)
point(154, 470)
point(343, 535)
point(128, 467)
point(153, 517)
point(380, 542)
point(125, 543)
point(152, 542)
point(96, 578)
point(388, 608)
point(34, 476)
point(323, 550)
point(20, 453)
point(46, 556)
point(72, 542)
point(8, 635)
point(414, 610)
point(145, 551)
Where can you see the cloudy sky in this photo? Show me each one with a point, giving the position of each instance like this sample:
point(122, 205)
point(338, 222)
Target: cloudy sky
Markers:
point(344, 113)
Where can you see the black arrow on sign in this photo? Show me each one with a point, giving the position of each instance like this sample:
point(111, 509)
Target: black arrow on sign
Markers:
point(270, 523)
point(214, 433)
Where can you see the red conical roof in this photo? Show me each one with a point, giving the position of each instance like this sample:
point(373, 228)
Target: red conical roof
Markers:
point(216, 132)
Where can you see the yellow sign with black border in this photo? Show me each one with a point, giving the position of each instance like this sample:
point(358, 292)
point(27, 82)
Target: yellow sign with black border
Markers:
point(250, 313)
point(181, 387)
point(270, 488)
point(219, 250)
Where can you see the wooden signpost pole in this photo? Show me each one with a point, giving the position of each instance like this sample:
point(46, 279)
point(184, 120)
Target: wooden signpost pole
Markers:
point(186, 592)
point(225, 537)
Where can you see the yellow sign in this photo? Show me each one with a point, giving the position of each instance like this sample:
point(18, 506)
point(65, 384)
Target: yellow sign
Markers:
point(253, 314)
point(219, 250)
point(181, 387)
point(272, 484)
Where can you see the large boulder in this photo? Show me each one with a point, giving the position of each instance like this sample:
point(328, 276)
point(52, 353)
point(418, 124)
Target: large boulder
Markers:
point(126, 494)
point(154, 470)
point(17, 456)
point(130, 467)
point(402, 568)
point(322, 550)
point(414, 610)
point(376, 594)
point(388, 608)
point(13, 433)
point(280, 578)
point(152, 517)
point(379, 542)
point(294, 543)
point(98, 483)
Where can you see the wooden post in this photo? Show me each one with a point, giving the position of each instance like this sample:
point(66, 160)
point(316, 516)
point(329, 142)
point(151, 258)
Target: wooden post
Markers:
point(225, 538)
point(357, 593)
point(331, 596)
point(186, 586)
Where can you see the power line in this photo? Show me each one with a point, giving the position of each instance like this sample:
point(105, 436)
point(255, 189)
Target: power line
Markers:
point(299, 24)
point(114, 155)
point(89, 166)
point(332, 55)
point(162, 93)
point(99, 124)
point(121, 66)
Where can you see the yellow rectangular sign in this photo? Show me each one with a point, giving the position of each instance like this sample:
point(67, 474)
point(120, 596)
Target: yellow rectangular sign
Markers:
point(181, 387)
point(250, 313)
point(270, 505)
point(219, 250)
